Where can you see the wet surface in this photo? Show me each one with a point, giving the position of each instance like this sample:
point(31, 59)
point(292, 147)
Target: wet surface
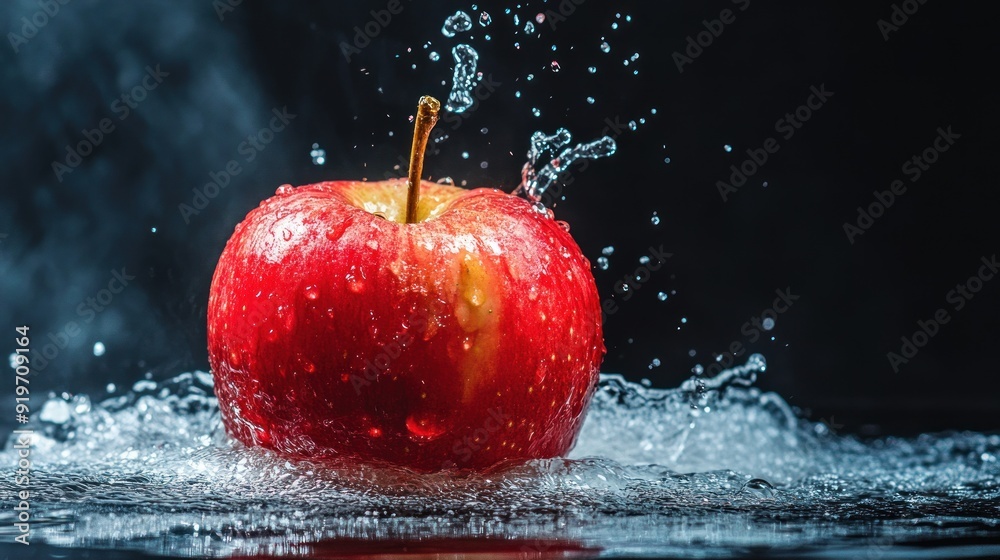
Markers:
point(715, 468)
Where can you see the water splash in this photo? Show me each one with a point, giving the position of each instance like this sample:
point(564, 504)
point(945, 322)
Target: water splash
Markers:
point(535, 183)
point(709, 468)
point(459, 22)
point(464, 79)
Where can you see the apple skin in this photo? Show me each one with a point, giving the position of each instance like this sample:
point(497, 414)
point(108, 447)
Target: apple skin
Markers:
point(466, 339)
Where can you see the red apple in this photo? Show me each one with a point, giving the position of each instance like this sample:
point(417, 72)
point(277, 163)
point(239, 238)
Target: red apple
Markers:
point(468, 337)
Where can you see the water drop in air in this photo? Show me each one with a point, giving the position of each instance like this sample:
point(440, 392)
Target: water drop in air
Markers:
point(555, 66)
point(608, 251)
point(728, 148)
point(458, 22)
point(99, 349)
point(317, 154)
point(662, 296)
point(605, 47)
point(768, 323)
point(434, 56)
point(485, 19)
point(602, 263)
point(529, 27)
point(460, 97)
point(592, 69)
point(536, 112)
point(590, 100)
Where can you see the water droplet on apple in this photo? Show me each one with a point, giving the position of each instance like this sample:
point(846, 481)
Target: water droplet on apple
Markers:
point(329, 313)
point(564, 252)
point(284, 189)
point(424, 426)
point(375, 432)
point(312, 292)
point(564, 225)
point(271, 335)
point(355, 286)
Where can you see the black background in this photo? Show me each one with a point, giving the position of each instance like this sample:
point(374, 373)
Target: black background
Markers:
point(63, 238)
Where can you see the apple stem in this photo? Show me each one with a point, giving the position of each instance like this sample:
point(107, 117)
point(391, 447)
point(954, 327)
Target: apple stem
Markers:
point(427, 117)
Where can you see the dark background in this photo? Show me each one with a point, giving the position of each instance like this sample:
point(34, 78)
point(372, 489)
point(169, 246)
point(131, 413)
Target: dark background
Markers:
point(60, 240)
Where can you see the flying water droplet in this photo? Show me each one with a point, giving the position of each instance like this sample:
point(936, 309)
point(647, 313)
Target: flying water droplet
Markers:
point(662, 296)
point(99, 349)
point(311, 292)
point(655, 220)
point(535, 183)
point(485, 19)
point(592, 69)
point(536, 112)
point(459, 22)
point(767, 323)
point(317, 154)
point(555, 66)
point(605, 47)
point(608, 251)
point(434, 56)
point(728, 148)
point(529, 27)
point(602, 263)
point(591, 100)
point(460, 97)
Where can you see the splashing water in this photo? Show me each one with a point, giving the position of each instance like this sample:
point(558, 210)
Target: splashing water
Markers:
point(460, 98)
point(459, 22)
point(712, 468)
point(535, 183)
